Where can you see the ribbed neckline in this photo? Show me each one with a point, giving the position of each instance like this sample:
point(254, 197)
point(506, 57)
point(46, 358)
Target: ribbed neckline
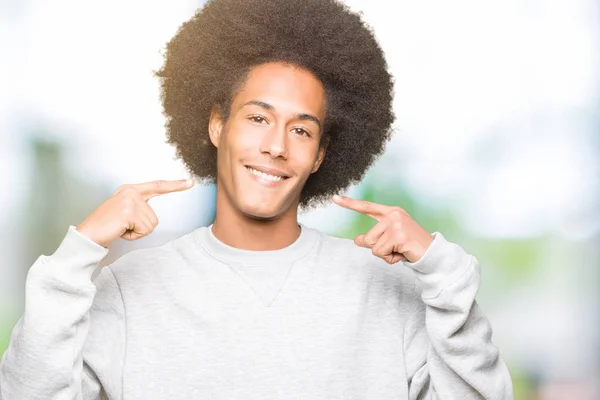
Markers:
point(308, 238)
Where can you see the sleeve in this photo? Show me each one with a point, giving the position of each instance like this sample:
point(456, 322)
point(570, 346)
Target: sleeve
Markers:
point(71, 330)
point(447, 340)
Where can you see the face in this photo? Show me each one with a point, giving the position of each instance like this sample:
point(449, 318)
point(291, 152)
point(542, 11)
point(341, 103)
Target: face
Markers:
point(269, 145)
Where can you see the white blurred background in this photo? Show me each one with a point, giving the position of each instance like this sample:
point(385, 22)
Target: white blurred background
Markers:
point(497, 145)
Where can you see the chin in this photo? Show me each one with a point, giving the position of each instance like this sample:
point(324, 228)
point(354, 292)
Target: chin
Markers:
point(261, 212)
point(262, 215)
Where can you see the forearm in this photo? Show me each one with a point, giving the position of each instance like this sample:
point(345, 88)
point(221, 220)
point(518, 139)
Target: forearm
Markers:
point(44, 356)
point(449, 332)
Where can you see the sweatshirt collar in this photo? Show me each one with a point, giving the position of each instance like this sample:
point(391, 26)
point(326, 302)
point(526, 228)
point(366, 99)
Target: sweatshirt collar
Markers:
point(301, 247)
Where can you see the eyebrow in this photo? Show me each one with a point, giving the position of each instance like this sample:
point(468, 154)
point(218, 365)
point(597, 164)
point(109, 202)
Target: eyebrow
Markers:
point(269, 107)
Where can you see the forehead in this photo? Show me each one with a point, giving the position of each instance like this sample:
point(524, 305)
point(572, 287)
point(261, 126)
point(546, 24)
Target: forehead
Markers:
point(288, 88)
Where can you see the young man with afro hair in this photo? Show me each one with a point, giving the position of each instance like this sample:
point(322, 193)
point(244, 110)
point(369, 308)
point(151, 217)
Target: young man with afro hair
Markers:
point(282, 103)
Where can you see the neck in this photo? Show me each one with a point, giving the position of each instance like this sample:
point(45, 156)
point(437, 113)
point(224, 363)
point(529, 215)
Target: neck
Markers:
point(243, 232)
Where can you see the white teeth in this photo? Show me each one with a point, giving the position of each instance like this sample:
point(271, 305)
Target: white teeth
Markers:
point(268, 177)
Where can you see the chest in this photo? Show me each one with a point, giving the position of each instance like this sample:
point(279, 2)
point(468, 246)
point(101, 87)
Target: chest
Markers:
point(331, 337)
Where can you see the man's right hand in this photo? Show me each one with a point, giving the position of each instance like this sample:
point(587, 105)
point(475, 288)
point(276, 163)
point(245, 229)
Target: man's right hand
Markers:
point(126, 214)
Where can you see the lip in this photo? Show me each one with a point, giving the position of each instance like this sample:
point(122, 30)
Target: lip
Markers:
point(269, 170)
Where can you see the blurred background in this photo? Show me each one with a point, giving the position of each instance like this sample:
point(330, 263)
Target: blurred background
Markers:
point(497, 146)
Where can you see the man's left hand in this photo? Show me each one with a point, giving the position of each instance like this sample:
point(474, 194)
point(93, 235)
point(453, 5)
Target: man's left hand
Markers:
point(395, 237)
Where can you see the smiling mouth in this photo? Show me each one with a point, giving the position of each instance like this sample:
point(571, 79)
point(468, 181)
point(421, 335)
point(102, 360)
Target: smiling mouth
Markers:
point(265, 176)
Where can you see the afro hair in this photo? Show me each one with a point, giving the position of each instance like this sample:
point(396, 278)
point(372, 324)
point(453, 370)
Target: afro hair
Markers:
point(209, 57)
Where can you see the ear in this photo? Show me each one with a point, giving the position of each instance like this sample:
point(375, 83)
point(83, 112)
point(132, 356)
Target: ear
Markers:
point(320, 157)
point(215, 125)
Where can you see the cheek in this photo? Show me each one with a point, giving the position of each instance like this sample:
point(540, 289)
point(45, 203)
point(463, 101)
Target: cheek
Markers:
point(242, 141)
point(309, 158)
point(234, 149)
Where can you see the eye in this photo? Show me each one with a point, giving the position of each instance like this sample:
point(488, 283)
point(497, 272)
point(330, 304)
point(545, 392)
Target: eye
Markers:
point(301, 131)
point(257, 118)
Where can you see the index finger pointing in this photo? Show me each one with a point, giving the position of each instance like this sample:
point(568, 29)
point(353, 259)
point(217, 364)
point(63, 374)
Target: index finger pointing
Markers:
point(373, 210)
point(152, 189)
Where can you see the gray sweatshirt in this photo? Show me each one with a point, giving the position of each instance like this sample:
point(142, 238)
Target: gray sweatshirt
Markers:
point(196, 319)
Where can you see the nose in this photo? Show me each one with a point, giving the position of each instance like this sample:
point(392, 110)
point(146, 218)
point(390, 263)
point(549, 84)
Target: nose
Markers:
point(275, 143)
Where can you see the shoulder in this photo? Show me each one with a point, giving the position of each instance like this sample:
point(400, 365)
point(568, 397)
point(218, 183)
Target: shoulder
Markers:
point(344, 252)
point(151, 262)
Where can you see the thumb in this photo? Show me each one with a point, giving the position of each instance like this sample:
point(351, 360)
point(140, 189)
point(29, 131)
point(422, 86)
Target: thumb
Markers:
point(360, 241)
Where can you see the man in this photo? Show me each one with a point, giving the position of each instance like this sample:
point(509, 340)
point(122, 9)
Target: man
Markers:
point(283, 103)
